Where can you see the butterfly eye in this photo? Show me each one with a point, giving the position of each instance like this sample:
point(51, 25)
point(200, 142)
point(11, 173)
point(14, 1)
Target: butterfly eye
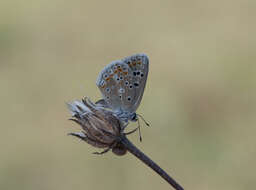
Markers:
point(129, 98)
point(121, 77)
point(134, 117)
point(131, 86)
point(126, 83)
point(134, 73)
point(141, 75)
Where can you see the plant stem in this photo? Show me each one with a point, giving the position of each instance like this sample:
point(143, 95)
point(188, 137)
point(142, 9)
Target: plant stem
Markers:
point(146, 160)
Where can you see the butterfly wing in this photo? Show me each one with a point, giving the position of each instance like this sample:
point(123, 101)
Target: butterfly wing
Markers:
point(139, 66)
point(122, 83)
point(111, 84)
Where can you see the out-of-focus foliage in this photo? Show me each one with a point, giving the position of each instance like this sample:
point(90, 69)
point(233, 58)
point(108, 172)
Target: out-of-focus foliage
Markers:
point(199, 99)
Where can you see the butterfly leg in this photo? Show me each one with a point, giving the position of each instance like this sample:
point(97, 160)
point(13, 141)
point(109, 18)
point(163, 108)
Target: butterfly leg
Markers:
point(128, 133)
point(124, 125)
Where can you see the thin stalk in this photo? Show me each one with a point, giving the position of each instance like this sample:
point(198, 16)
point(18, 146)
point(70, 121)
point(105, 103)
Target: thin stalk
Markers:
point(146, 160)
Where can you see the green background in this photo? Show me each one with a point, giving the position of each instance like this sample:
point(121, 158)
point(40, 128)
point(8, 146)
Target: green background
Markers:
point(200, 97)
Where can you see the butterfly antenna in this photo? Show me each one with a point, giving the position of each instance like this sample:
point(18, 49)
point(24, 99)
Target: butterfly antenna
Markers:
point(139, 130)
point(143, 120)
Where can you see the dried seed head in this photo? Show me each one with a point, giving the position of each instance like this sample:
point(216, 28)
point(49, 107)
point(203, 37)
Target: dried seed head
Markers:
point(101, 128)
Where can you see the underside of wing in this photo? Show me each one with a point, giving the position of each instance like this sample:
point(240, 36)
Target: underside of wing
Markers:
point(122, 82)
point(111, 82)
point(139, 66)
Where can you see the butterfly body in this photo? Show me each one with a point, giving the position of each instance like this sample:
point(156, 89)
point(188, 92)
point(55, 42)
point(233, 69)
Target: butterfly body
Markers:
point(122, 84)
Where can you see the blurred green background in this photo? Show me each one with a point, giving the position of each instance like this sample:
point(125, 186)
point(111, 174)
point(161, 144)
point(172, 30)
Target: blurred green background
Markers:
point(200, 97)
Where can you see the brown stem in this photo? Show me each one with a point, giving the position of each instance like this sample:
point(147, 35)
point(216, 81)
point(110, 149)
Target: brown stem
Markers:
point(146, 160)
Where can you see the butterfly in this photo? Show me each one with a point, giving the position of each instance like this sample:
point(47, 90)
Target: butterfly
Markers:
point(122, 84)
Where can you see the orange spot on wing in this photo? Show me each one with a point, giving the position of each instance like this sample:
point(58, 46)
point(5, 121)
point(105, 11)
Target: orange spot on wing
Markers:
point(139, 62)
point(125, 73)
point(120, 70)
point(107, 79)
point(134, 63)
point(115, 71)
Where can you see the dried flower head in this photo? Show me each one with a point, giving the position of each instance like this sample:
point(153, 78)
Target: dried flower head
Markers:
point(101, 128)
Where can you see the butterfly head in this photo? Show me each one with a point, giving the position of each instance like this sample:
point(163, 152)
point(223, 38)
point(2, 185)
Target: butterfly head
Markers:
point(126, 116)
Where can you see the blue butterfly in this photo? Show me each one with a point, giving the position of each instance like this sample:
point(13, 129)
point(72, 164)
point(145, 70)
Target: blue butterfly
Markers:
point(122, 85)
